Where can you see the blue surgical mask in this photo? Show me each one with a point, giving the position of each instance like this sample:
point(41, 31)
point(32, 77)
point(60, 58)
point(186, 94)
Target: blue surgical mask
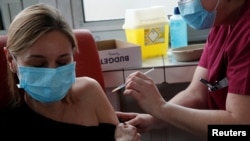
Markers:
point(46, 84)
point(195, 15)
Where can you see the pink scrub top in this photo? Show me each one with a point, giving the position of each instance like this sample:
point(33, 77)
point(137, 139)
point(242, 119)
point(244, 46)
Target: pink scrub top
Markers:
point(227, 54)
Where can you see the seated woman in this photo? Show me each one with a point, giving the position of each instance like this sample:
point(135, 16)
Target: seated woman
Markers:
point(47, 98)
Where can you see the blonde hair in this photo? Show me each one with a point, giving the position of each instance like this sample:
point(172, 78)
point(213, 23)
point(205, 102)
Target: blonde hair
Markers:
point(26, 28)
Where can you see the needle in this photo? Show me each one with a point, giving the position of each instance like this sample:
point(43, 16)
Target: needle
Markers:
point(123, 85)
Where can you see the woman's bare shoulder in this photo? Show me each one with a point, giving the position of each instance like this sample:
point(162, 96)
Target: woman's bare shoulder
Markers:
point(89, 93)
point(86, 86)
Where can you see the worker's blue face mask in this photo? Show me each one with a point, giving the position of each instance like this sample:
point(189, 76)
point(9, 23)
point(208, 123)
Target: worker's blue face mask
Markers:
point(46, 84)
point(195, 15)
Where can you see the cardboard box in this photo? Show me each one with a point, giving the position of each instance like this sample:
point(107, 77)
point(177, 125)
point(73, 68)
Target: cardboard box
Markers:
point(117, 54)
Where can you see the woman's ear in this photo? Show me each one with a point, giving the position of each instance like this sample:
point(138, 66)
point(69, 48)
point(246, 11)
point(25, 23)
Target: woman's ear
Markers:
point(75, 50)
point(10, 61)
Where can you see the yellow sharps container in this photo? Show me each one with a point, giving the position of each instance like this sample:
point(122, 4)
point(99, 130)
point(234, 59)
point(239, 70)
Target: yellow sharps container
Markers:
point(149, 28)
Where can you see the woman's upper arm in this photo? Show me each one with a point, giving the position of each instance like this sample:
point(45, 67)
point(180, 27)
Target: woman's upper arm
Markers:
point(95, 99)
point(104, 108)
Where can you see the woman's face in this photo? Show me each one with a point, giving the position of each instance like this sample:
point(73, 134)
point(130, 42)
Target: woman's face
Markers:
point(209, 5)
point(51, 50)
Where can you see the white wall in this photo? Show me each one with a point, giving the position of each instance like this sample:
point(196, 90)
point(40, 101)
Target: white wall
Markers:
point(115, 9)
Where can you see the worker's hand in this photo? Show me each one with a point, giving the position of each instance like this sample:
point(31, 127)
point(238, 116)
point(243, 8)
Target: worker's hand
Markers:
point(126, 132)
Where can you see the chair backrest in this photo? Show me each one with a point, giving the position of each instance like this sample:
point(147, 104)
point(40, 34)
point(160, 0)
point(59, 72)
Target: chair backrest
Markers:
point(87, 62)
